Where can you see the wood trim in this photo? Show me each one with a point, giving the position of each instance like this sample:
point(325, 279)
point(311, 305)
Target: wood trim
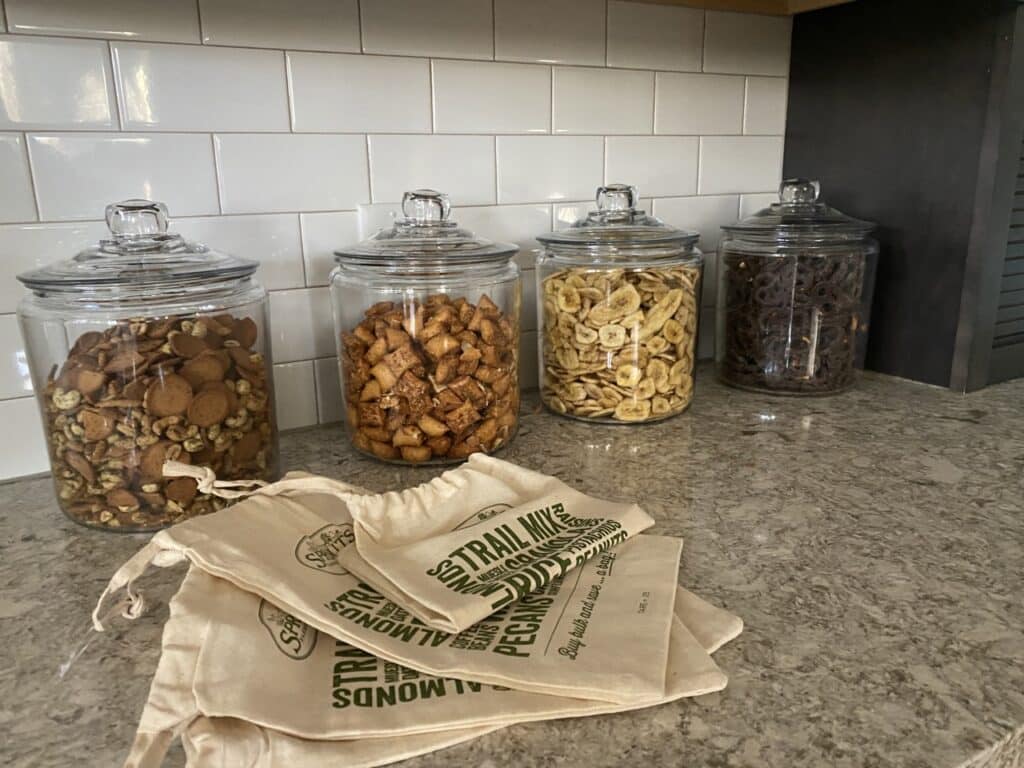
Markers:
point(768, 7)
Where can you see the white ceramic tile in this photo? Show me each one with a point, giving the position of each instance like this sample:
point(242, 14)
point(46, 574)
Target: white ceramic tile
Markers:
point(528, 380)
point(272, 240)
point(328, 390)
point(659, 166)
point(550, 31)
point(315, 25)
point(322, 235)
point(78, 174)
point(194, 88)
point(301, 325)
point(21, 417)
point(28, 246)
point(376, 216)
point(355, 93)
point(15, 379)
point(704, 214)
point(541, 168)
point(16, 202)
point(295, 395)
point(746, 43)
point(281, 172)
point(739, 164)
point(172, 21)
point(457, 28)
point(462, 166)
point(751, 204)
point(474, 97)
point(698, 104)
point(601, 100)
point(765, 109)
point(55, 83)
point(518, 224)
point(645, 36)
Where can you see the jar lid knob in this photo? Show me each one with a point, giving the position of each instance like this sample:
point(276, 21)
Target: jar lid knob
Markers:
point(426, 206)
point(136, 218)
point(616, 197)
point(799, 191)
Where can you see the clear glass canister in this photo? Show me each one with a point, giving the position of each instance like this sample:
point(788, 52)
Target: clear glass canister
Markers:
point(146, 348)
point(618, 304)
point(794, 296)
point(427, 321)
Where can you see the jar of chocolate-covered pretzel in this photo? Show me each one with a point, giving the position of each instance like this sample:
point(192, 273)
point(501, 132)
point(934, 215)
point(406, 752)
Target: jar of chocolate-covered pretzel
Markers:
point(146, 348)
point(426, 316)
point(794, 296)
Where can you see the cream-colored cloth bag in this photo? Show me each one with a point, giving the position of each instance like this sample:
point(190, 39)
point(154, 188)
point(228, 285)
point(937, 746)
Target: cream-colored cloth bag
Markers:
point(226, 743)
point(282, 542)
point(229, 654)
point(477, 538)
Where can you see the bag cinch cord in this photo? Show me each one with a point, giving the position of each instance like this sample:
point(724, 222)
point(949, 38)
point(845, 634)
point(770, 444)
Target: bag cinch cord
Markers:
point(207, 482)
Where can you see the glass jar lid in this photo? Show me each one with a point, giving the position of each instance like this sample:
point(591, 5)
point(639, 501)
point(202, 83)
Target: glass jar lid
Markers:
point(139, 254)
point(618, 224)
point(800, 215)
point(425, 235)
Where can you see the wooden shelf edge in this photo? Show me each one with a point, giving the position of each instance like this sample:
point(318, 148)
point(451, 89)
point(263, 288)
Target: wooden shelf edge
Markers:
point(766, 7)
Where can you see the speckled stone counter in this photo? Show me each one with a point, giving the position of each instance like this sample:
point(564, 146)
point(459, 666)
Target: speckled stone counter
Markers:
point(872, 542)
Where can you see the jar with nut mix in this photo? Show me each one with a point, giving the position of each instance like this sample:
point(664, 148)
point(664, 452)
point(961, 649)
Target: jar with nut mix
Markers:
point(146, 348)
point(618, 303)
point(427, 321)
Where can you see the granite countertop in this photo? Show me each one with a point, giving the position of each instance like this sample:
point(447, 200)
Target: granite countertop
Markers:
point(872, 542)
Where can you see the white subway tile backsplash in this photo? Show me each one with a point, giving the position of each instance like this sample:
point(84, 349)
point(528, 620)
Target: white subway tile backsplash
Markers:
point(704, 214)
point(739, 164)
point(453, 28)
point(271, 239)
point(666, 165)
point(644, 36)
point(698, 104)
point(15, 379)
point(192, 88)
point(313, 25)
point(593, 100)
point(359, 94)
point(78, 174)
point(173, 21)
point(280, 172)
point(518, 224)
point(16, 202)
point(322, 235)
point(462, 166)
point(476, 97)
point(301, 325)
point(50, 83)
point(295, 395)
point(765, 108)
point(548, 168)
point(746, 43)
point(751, 204)
point(29, 246)
point(21, 417)
point(550, 31)
point(328, 390)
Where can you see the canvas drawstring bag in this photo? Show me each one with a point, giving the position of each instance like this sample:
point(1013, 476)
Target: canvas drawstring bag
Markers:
point(477, 538)
point(229, 654)
point(282, 544)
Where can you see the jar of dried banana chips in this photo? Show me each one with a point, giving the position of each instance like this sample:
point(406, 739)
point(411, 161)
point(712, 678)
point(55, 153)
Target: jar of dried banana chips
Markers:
point(618, 304)
point(145, 348)
point(426, 317)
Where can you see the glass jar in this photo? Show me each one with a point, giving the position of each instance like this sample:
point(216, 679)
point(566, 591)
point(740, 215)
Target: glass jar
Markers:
point(146, 348)
point(427, 321)
point(794, 296)
point(618, 305)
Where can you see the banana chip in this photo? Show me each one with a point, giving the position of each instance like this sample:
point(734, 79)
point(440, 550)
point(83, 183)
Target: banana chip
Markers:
point(612, 336)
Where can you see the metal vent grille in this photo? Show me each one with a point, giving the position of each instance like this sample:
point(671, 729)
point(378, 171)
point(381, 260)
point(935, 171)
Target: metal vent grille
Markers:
point(1007, 359)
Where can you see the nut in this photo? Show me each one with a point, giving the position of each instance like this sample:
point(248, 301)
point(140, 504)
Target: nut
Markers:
point(431, 380)
point(150, 389)
point(625, 350)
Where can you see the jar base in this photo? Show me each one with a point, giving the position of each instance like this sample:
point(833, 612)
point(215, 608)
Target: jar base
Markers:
point(618, 422)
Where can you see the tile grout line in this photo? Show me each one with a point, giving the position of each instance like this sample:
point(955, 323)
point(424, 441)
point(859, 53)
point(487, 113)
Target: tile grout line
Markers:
point(32, 177)
point(199, 20)
point(359, 22)
point(369, 171)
